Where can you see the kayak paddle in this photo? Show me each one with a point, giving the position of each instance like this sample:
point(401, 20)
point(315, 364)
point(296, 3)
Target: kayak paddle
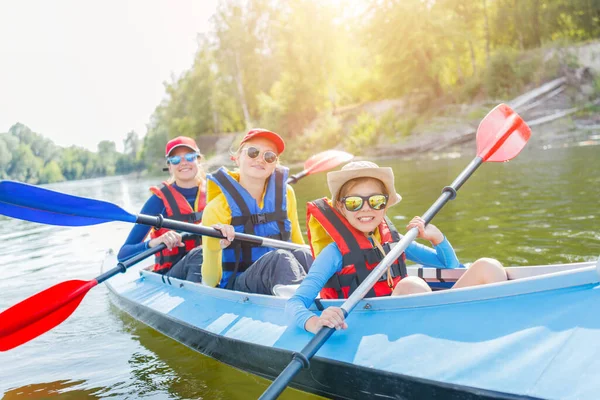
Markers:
point(501, 135)
point(36, 204)
point(45, 310)
point(321, 162)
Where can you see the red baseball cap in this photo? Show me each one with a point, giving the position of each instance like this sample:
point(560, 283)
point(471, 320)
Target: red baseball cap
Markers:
point(181, 141)
point(270, 136)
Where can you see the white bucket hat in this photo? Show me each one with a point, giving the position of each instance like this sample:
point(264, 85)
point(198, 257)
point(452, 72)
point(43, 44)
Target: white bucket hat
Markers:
point(362, 169)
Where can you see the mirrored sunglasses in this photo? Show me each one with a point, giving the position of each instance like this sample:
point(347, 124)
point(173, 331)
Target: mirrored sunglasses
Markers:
point(269, 156)
point(189, 157)
point(355, 203)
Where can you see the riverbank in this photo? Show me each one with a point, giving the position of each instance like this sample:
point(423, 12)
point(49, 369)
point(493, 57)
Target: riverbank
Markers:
point(562, 109)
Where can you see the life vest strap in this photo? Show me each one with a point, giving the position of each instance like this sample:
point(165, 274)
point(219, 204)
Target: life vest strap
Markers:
point(257, 219)
point(191, 218)
point(337, 281)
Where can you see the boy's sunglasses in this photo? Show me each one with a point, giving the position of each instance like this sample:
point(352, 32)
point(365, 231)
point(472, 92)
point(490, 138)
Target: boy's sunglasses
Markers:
point(269, 156)
point(189, 157)
point(355, 203)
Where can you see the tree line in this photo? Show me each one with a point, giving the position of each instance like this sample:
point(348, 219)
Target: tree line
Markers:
point(27, 156)
point(280, 64)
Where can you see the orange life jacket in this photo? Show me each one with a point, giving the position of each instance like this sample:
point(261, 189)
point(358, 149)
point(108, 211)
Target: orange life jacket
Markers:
point(359, 255)
point(177, 208)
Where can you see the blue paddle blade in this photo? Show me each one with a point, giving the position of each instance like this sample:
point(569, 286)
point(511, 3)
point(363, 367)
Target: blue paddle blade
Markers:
point(36, 204)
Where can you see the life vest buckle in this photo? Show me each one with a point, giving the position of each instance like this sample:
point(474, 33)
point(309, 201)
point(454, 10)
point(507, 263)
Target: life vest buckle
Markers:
point(258, 219)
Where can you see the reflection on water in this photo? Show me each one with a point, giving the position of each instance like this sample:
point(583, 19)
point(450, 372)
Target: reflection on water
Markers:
point(540, 208)
point(170, 367)
point(63, 389)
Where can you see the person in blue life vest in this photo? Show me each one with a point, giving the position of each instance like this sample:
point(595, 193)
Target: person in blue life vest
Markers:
point(182, 197)
point(350, 234)
point(254, 200)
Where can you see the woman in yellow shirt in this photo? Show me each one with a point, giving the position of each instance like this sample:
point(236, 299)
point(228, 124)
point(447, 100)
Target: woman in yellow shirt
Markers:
point(255, 200)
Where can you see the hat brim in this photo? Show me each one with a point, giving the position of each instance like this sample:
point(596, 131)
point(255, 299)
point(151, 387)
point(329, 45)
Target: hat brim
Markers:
point(183, 145)
point(337, 179)
point(271, 137)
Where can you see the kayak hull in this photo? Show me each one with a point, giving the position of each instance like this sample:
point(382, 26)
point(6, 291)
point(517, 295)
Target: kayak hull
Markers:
point(393, 349)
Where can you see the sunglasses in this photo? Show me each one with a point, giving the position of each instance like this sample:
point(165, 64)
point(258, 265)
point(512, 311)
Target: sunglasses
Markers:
point(269, 156)
point(355, 203)
point(189, 157)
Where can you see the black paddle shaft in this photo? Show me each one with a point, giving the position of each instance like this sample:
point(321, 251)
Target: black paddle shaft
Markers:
point(160, 222)
point(123, 266)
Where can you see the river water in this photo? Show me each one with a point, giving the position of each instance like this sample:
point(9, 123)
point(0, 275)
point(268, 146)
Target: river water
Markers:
point(540, 208)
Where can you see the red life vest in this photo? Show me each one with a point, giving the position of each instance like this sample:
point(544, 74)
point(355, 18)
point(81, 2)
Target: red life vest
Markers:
point(359, 256)
point(177, 208)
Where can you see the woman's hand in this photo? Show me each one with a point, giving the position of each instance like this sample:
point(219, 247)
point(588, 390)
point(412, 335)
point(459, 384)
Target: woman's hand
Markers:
point(429, 232)
point(228, 232)
point(331, 317)
point(170, 238)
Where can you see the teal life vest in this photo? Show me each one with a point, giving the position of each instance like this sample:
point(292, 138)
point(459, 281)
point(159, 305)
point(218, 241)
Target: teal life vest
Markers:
point(270, 221)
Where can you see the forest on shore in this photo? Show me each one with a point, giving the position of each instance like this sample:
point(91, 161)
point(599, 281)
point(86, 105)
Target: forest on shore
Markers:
point(297, 66)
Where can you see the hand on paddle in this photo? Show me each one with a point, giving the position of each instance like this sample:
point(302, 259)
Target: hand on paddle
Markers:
point(228, 232)
point(170, 239)
point(429, 232)
point(331, 317)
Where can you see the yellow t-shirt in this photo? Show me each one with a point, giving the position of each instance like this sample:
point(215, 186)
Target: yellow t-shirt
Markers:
point(217, 211)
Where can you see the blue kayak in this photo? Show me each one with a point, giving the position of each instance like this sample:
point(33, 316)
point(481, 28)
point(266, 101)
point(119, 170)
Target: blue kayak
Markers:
point(534, 336)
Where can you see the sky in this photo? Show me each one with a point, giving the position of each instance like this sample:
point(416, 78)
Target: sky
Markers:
point(79, 72)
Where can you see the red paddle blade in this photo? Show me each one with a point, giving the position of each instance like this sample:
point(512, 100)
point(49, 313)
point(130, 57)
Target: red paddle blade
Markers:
point(326, 160)
point(501, 135)
point(40, 313)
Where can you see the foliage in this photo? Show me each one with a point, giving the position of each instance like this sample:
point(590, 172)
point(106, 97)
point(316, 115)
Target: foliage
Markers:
point(29, 157)
point(325, 133)
point(393, 127)
point(292, 66)
point(363, 133)
point(282, 64)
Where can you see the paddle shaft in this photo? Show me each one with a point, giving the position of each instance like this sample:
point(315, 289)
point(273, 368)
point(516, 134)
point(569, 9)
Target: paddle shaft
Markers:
point(123, 266)
point(160, 222)
point(301, 359)
point(296, 177)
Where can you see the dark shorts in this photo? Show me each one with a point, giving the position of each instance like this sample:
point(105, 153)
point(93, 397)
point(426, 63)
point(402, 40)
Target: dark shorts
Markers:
point(277, 267)
point(189, 267)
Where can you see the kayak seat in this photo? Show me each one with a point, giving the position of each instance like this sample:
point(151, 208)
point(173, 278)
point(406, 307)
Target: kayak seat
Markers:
point(286, 291)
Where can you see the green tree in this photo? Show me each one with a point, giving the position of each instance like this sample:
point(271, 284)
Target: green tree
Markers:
point(107, 156)
point(51, 173)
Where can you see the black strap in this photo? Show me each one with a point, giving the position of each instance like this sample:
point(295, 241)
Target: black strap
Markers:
point(393, 231)
point(319, 305)
point(395, 239)
point(280, 186)
point(256, 219)
point(337, 281)
point(438, 274)
point(236, 266)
